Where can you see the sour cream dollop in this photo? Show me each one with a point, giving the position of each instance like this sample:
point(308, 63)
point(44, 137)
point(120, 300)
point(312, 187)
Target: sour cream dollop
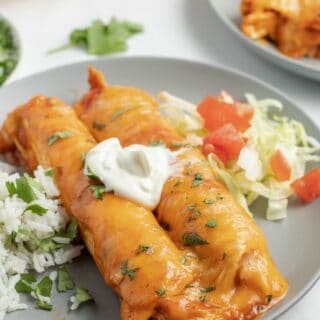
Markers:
point(136, 172)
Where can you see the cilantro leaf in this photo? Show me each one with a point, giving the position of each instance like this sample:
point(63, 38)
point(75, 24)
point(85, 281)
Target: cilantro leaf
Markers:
point(72, 230)
point(43, 288)
point(37, 209)
point(192, 239)
point(102, 39)
point(211, 223)
point(125, 271)
point(161, 291)
point(117, 114)
point(44, 306)
point(59, 135)
point(83, 295)
point(97, 191)
point(49, 172)
point(22, 189)
point(11, 241)
point(24, 285)
point(65, 281)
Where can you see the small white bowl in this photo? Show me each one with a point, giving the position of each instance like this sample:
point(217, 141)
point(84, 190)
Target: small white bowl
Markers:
point(17, 41)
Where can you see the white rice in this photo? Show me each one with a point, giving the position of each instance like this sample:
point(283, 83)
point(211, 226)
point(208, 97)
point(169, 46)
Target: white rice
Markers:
point(13, 218)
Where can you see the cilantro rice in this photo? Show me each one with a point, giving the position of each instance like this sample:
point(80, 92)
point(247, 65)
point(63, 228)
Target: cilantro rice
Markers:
point(35, 231)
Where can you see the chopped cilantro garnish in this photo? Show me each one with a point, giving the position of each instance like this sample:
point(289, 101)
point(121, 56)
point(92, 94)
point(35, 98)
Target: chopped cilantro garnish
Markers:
point(11, 241)
point(144, 248)
point(161, 291)
point(43, 288)
point(211, 223)
point(183, 260)
point(44, 306)
point(71, 231)
point(155, 143)
point(191, 207)
point(177, 145)
point(98, 125)
point(22, 189)
point(82, 295)
point(203, 298)
point(49, 173)
point(24, 285)
point(65, 281)
point(208, 201)
point(46, 244)
point(193, 239)
point(37, 209)
point(125, 271)
point(102, 39)
point(207, 289)
point(117, 114)
point(59, 135)
point(197, 180)
point(97, 191)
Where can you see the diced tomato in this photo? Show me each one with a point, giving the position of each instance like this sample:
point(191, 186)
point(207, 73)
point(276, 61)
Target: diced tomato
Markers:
point(280, 166)
point(217, 113)
point(225, 142)
point(308, 187)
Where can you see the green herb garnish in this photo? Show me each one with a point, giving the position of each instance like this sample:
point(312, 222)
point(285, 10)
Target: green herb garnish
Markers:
point(208, 201)
point(49, 173)
point(125, 271)
point(155, 143)
point(97, 191)
point(102, 39)
point(82, 295)
point(117, 114)
point(183, 260)
point(144, 248)
point(11, 241)
point(207, 289)
point(46, 244)
point(24, 285)
point(44, 306)
point(65, 281)
point(8, 51)
point(203, 298)
point(197, 180)
point(211, 223)
point(177, 145)
point(98, 125)
point(192, 239)
point(224, 255)
point(72, 230)
point(59, 135)
point(161, 291)
point(37, 209)
point(22, 189)
point(43, 288)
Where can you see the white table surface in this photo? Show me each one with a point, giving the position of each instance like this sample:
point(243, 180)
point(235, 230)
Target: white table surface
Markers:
point(175, 28)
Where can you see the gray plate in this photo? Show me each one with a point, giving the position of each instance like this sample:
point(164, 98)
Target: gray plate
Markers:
point(229, 13)
point(293, 242)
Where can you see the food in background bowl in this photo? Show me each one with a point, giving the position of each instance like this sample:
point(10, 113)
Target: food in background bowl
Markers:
point(293, 26)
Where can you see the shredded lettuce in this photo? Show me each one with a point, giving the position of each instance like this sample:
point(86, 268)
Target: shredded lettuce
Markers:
point(251, 176)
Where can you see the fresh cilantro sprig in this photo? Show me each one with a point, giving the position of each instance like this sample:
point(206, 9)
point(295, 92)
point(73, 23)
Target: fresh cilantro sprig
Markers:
point(102, 39)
